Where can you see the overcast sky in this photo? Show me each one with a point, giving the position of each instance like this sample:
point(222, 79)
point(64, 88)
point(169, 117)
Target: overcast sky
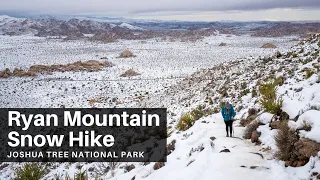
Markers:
point(205, 10)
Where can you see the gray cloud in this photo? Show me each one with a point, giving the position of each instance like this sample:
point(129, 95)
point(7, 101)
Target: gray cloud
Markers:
point(140, 7)
point(231, 5)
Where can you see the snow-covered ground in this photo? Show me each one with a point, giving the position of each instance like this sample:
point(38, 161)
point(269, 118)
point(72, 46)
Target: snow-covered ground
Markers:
point(196, 156)
point(157, 61)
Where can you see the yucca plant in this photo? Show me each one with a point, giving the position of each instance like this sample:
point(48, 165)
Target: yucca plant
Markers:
point(269, 99)
point(30, 171)
point(197, 113)
point(81, 175)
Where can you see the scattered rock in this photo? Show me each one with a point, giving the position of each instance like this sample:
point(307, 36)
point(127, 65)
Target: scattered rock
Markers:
point(252, 111)
point(259, 154)
point(307, 148)
point(89, 66)
point(158, 165)
point(129, 167)
point(288, 163)
point(275, 124)
point(278, 54)
point(255, 136)
point(126, 54)
point(171, 147)
point(190, 162)
point(298, 89)
point(3, 165)
point(283, 116)
point(213, 138)
point(91, 169)
point(133, 178)
point(222, 44)
point(248, 120)
point(129, 73)
point(268, 45)
point(225, 150)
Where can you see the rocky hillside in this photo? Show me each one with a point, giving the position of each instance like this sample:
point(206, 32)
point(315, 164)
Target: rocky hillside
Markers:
point(54, 27)
point(287, 29)
point(277, 100)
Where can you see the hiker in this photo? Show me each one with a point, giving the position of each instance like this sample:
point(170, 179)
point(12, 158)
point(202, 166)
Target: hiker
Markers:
point(228, 114)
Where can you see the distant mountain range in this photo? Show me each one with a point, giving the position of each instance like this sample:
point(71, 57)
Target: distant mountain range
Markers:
point(111, 29)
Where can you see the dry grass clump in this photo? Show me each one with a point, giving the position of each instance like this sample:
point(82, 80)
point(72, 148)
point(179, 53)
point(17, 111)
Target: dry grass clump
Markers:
point(129, 73)
point(285, 141)
point(250, 129)
point(126, 54)
point(268, 45)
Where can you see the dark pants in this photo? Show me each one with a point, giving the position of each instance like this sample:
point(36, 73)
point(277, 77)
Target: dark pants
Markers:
point(229, 126)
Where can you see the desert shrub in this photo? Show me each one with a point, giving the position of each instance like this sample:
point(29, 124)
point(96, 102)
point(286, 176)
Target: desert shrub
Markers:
point(309, 73)
point(279, 80)
point(197, 113)
point(307, 60)
point(210, 101)
point(278, 54)
point(104, 167)
point(185, 122)
point(301, 50)
point(224, 92)
point(272, 106)
point(243, 85)
point(244, 92)
point(254, 93)
point(285, 139)
point(289, 54)
point(269, 99)
point(215, 110)
point(250, 129)
point(30, 171)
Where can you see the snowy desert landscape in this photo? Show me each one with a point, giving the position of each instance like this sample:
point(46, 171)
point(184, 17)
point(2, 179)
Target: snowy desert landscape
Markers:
point(160, 63)
point(274, 89)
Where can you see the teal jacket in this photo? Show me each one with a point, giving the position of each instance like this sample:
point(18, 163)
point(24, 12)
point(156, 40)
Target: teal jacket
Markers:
point(227, 115)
